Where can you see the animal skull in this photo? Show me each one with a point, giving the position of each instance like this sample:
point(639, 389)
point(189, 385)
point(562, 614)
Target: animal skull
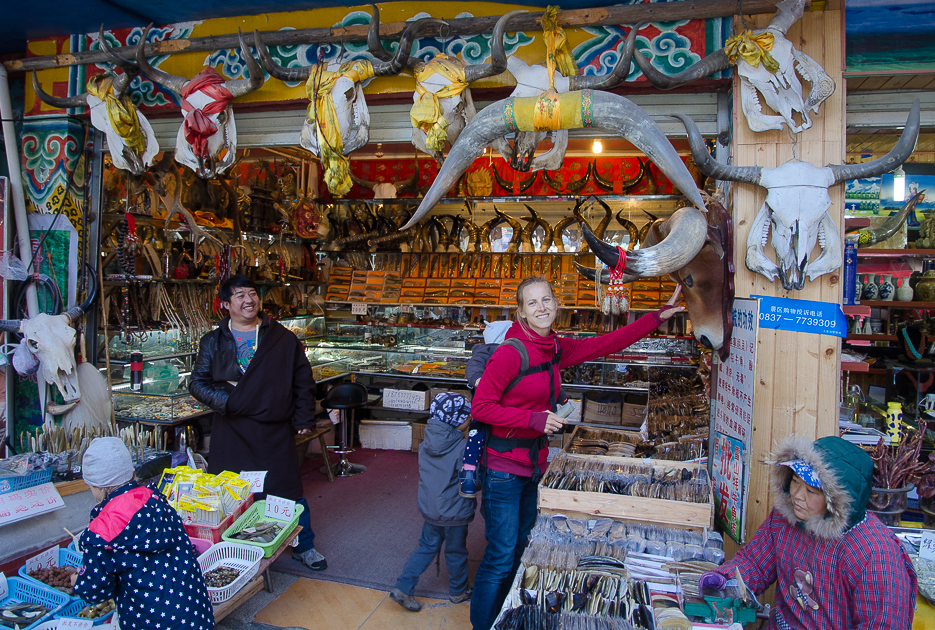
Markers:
point(207, 140)
point(797, 204)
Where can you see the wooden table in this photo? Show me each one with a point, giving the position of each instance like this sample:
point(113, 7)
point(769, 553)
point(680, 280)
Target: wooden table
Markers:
point(255, 585)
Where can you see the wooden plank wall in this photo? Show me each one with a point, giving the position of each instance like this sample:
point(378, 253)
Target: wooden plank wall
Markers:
point(797, 375)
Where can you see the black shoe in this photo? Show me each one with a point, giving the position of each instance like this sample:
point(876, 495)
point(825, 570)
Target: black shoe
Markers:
point(312, 559)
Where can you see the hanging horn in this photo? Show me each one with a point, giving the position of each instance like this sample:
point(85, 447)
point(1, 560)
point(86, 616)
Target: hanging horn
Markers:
point(396, 64)
point(497, 64)
point(715, 62)
point(300, 73)
point(11, 325)
point(617, 76)
point(81, 100)
point(869, 236)
point(166, 80)
point(130, 69)
point(373, 37)
point(899, 153)
point(239, 87)
point(711, 167)
point(688, 230)
point(73, 314)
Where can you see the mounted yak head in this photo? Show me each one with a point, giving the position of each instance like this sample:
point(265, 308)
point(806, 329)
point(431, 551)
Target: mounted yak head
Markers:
point(207, 139)
point(532, 81)
point(130, 137)
point(797, 204)
point(51, 340)
point(442, 102)
point(707, 279)
point(772, 73)
point(587, 108)
point(338, 112)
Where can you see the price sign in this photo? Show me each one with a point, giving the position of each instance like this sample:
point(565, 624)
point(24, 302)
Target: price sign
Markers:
point(820, 318)
point(4, 589)
point(927, 548)
point(74, 624)
point(16, 506)
point(44, 560)
point(358, 308)
point(257, 479)
point(278, 508)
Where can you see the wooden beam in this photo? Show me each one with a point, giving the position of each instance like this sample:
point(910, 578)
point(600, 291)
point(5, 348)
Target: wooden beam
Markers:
point(602, 16)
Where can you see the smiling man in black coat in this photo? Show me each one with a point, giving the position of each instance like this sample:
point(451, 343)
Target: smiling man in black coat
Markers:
point(243, 374)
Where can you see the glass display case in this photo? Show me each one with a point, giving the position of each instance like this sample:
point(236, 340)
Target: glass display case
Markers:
point(305, 328)
point(171, 408)
point(606, 374)
point(153, 344)
point(427, 365)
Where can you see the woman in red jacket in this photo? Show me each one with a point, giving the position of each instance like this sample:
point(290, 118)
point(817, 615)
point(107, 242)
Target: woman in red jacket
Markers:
point(521, 413)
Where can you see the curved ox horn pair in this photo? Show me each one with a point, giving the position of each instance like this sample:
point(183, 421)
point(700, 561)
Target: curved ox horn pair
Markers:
point(71, 315)
point(615, 77)
point(121, 82)
point(751, 174)
point(237, 87)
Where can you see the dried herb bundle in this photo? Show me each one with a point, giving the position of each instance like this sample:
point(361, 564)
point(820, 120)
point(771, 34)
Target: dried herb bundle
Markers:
point(896, 467)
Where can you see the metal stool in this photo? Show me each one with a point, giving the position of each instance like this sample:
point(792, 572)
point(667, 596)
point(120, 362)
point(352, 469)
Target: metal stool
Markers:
point(345, 396)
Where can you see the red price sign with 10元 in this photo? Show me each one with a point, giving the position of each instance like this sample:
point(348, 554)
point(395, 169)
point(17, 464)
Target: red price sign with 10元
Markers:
point(278, 508)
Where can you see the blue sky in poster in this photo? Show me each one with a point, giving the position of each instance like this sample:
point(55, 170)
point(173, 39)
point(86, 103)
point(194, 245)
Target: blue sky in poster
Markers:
point(890, 34)
point(914, 183)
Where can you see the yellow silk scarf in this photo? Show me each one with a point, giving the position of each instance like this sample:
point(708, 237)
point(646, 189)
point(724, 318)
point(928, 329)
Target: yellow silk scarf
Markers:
point(321, 109)
point(557, 46)
point(121, 112)
point(752, 48)
point(426, 112)
point(571, 110)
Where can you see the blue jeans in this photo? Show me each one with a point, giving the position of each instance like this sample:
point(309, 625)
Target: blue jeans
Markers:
point(306, 536)
point(509, 508)
point(430, 542)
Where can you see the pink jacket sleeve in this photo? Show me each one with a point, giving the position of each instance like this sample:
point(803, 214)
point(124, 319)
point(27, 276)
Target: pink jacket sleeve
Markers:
point(486, 407)
point(575, 351)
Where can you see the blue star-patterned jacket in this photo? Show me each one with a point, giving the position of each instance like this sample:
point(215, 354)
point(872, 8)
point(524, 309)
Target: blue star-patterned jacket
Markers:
point(136, 551)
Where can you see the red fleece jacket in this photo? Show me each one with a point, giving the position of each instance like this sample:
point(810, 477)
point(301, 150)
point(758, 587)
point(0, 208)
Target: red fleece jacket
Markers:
point(522, 412)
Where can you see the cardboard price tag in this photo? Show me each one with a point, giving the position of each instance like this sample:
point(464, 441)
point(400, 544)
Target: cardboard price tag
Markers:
point(44, 560)
point(358, 308)
point(278, 508)
point(927, 547)
point(74, 624)
point(257, 479)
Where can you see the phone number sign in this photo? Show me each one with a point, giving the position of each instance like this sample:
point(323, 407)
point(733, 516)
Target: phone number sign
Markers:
point(818, 318)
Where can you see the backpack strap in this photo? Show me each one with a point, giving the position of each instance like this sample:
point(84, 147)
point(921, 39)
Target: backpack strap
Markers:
point(525, 369)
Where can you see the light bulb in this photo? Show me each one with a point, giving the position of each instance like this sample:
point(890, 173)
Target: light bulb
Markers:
point(899, 184)
point(379, 152)
point(597, 147)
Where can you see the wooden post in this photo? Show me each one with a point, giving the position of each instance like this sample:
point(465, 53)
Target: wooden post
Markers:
point(797, 374)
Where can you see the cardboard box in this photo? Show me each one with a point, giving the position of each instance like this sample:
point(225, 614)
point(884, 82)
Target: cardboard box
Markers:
point(602, 412)
point(632, 415)
point(406, 399)
point(393, 435)
point(418, 435)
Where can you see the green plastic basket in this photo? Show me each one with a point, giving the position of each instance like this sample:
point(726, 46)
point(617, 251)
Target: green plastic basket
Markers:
point(254, 514)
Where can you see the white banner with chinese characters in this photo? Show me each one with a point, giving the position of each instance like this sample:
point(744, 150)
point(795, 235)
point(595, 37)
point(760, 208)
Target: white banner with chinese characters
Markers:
point(733, 420)
point(20, 504)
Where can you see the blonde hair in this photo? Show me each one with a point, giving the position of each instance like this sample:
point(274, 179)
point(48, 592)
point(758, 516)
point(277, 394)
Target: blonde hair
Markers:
point(520, 298)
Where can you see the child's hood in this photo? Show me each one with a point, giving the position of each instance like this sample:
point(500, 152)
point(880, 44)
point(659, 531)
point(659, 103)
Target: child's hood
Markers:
point(441, 438)
point(134, 518)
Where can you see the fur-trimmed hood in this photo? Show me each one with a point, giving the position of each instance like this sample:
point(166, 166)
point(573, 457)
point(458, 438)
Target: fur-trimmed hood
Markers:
point(846, 474)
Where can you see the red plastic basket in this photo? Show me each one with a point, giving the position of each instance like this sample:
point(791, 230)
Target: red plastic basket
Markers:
point(207, 532)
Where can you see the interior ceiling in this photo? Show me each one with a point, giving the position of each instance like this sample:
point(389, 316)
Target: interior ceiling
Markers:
point(22, 20)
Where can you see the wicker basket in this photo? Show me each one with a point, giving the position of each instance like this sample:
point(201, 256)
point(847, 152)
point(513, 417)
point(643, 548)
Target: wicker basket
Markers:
point(66, 558)
point(11, 483)
point(235, 556)
point(32, 592)
point(254, 514)
point(76, 606)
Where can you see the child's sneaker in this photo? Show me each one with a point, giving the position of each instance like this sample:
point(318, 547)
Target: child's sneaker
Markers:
point(467, 486)
point(463, 597)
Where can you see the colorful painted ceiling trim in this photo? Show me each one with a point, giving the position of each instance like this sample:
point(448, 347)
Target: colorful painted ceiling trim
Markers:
point(672, 46)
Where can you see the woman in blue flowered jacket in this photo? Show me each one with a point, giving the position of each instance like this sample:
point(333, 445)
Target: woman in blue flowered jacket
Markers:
point(136, 551)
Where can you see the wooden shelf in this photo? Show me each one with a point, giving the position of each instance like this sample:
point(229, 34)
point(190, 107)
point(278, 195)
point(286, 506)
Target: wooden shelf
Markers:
point(854, 366)
point(894, 304)
point(856, 310)
point(877, 337)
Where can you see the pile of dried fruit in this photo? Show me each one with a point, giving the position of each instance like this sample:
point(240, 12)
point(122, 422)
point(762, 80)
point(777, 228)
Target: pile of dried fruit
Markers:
point(221, 577)
point(56, 577)
point(96, 612)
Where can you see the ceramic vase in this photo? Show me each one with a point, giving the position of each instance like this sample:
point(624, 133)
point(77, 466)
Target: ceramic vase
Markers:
point(858, 291)
point(887, 288)
point(904, 291)
point(867, 328)
point(925, 288)
point(871, 288)
point(894, 421)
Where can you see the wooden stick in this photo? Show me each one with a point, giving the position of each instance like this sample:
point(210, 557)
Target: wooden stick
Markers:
point(576, 18)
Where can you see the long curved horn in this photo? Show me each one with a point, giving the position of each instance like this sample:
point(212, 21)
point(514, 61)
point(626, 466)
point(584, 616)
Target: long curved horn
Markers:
point(130, 69)
point(373, 37)
point(715, 62)
point(239, 87)
point(711, 167)
point(283, 74)
point(688, 229)
point(899, 153)
point(170, 81)
point(362, 182)
point(398, 61)
point(81, 100)
point(497, 64)
point(608, 111)
point(11, 325)
point(75, 313)
point(617, 76)
point(870, 236)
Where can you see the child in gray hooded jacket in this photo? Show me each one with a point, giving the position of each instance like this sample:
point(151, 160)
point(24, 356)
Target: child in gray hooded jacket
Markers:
point(446, 513)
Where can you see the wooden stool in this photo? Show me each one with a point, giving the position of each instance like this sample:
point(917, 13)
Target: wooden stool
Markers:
point(301, 447)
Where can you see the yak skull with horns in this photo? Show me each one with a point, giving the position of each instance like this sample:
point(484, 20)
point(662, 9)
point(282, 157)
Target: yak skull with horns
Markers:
point(130, 137)
point(207, 139)
point(51, 340)
point(797, 204)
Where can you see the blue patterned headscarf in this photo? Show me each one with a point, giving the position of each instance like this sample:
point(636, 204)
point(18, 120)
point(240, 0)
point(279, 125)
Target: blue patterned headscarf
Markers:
point(450, 408)
point(804, 471)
